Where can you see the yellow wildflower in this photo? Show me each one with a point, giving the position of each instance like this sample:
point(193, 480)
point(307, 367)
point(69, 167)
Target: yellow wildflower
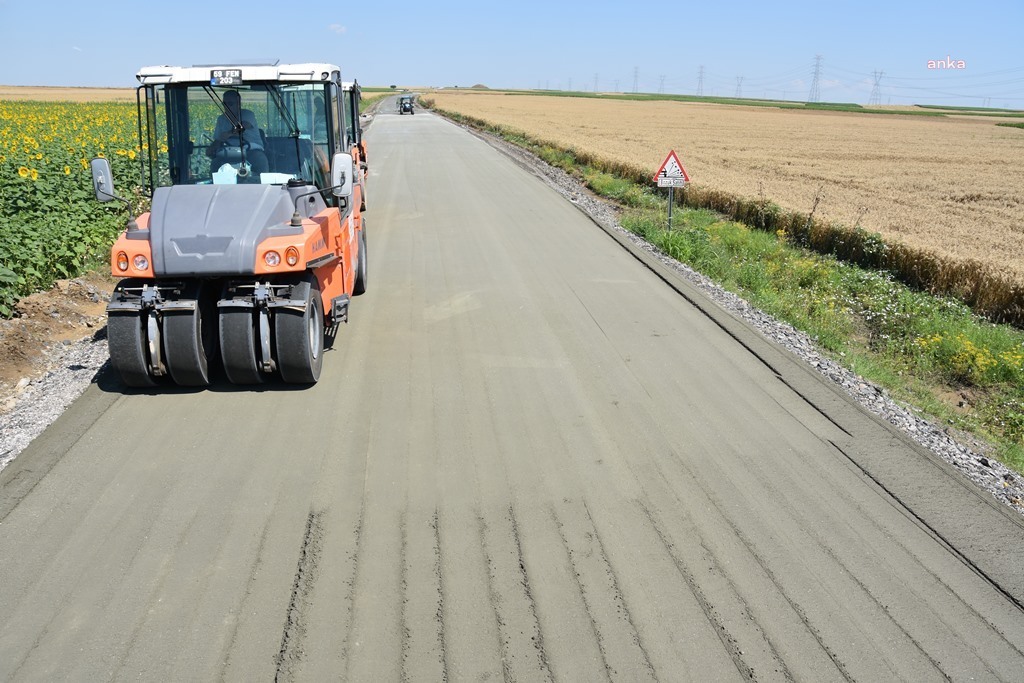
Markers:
point(67, 170)
point(35, 174)
point(23, 172)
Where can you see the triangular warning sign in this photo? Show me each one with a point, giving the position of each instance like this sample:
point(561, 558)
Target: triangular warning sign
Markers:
point(671, 168)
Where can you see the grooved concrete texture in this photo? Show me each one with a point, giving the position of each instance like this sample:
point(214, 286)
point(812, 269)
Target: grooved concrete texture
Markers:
point(529, 457)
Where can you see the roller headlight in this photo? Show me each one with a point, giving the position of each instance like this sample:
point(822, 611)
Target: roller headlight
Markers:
point(272, 259)
point(122, 261)
point(140, 262)
point(291, 256)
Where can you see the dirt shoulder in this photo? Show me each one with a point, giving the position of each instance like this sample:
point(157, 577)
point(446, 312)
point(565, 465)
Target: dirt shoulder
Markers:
point(72, 310)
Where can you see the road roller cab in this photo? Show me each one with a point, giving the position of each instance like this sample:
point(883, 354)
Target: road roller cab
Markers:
point(255, 240)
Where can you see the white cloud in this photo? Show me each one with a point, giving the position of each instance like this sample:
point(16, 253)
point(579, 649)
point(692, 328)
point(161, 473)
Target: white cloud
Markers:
point(77, 49)
point(338, 28)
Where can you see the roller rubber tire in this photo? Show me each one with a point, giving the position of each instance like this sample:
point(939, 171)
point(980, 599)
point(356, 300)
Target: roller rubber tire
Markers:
point(188, 355)
point(126, 339)
point(238, 345)
point(360, 284)
point(300, 337)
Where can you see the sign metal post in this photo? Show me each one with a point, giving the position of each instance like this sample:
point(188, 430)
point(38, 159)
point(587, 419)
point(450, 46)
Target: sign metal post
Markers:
point(671, 175)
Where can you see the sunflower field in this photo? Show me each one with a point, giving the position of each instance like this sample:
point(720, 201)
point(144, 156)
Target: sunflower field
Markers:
point(51, 225)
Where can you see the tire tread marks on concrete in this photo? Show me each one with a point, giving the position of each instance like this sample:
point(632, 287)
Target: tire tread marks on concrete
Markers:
point(306, 574)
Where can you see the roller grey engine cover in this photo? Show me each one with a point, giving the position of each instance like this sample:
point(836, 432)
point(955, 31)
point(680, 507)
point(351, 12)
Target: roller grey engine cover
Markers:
point(197, 230)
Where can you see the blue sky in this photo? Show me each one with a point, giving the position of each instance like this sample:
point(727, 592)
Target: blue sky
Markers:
point(530, 44)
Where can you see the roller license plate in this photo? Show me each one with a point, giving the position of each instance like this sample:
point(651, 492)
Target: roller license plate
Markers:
point(226, 77)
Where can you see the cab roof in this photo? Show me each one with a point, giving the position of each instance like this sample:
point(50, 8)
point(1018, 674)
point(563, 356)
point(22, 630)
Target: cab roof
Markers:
point(202, 73)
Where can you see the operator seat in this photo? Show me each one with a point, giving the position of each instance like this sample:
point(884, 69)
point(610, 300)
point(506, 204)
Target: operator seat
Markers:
point(230, 153)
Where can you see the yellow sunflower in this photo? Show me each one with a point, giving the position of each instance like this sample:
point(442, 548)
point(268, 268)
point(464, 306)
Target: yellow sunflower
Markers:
point(23, 172)
point(35, 174)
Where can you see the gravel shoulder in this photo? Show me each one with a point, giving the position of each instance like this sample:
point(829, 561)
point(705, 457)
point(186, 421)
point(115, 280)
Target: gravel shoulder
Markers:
point(49, 354)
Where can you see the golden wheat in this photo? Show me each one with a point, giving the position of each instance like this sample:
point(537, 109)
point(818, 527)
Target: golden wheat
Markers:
point(952, 186)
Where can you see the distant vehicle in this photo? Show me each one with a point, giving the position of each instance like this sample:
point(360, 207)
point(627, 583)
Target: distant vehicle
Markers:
point(405, 105)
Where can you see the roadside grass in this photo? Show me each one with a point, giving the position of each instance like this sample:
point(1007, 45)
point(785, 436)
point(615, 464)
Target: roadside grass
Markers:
point(931, 352)
point(367, 101)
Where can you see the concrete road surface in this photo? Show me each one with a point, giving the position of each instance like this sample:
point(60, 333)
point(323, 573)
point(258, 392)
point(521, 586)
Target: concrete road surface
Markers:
point(530, 457)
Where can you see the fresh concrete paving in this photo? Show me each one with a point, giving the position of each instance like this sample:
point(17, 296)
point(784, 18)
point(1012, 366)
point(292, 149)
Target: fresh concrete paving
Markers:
point(531, 456)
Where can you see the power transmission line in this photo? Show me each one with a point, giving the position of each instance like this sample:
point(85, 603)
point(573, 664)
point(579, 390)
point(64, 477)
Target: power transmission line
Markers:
point(595, 82)
point(739, 86)
point(700, 81)
point(661, 86)
point(876, 94)
point(815, 95)
point(636, 74)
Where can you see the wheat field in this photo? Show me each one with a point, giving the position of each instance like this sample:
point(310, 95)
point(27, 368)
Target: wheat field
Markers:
point(951, 186)
point(42, 93)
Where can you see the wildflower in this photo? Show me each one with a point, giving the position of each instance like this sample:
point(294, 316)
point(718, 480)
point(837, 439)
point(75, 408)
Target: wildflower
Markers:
point(23, 172)
point(35, 174)
point(67, 170)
